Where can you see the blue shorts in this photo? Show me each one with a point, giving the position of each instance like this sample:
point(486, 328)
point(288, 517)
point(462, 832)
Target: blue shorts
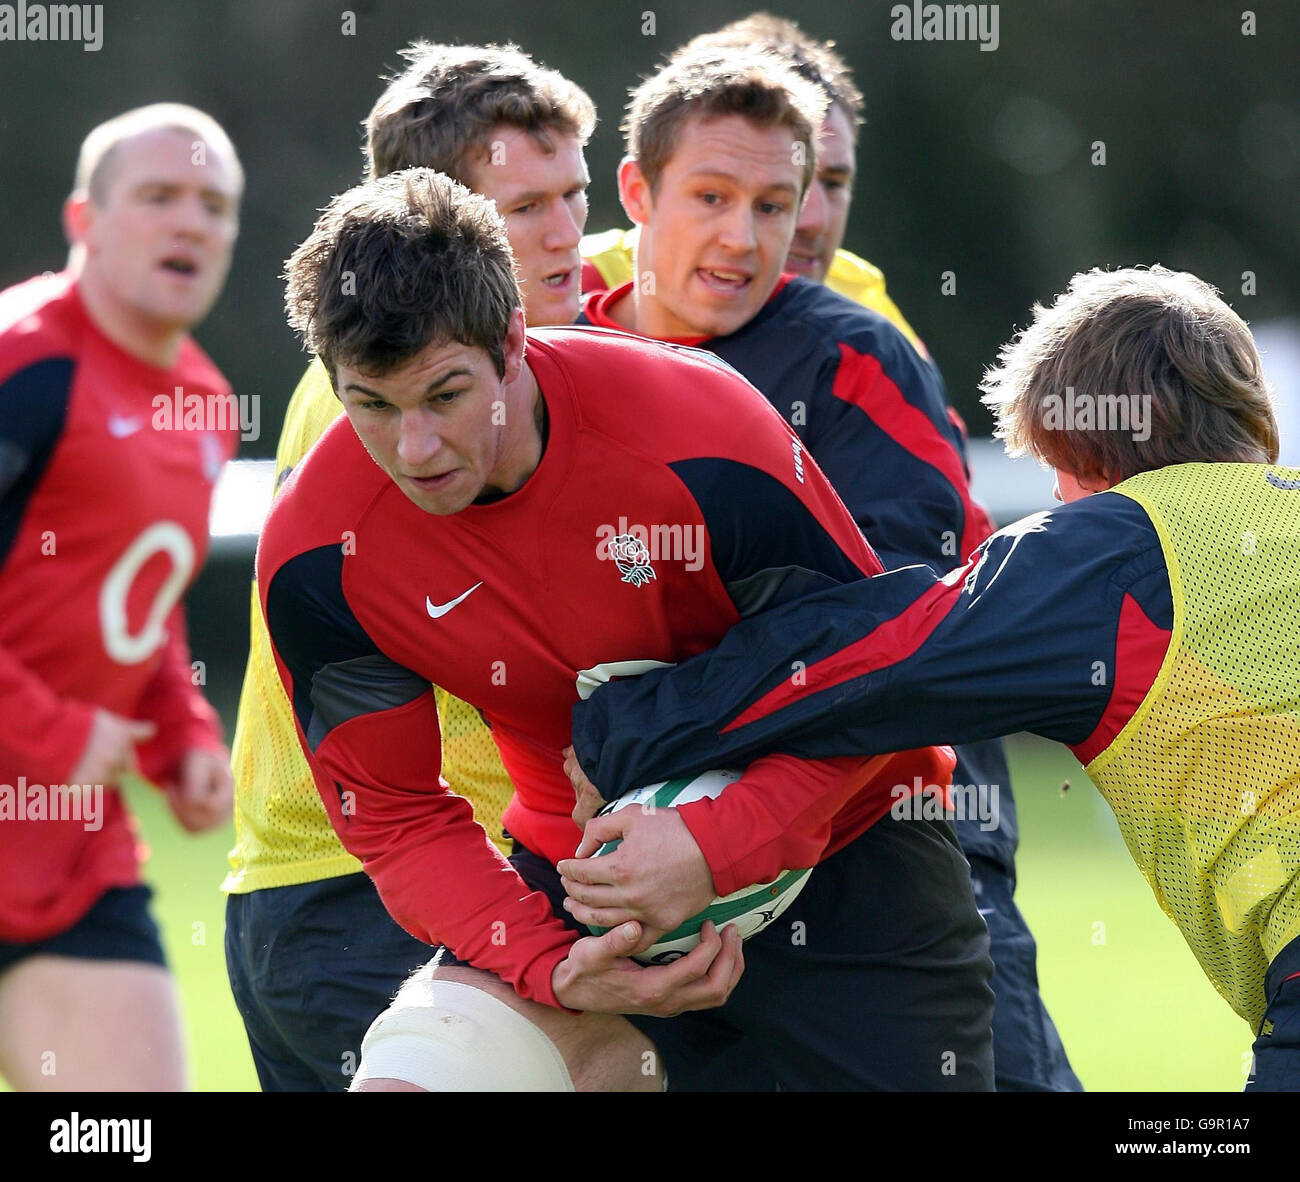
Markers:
point(875, 978)
point(310, 967)
point(117, 927)
point(1277, 1047)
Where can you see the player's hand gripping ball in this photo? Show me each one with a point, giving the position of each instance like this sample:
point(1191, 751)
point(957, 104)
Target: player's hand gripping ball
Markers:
point(751, 909)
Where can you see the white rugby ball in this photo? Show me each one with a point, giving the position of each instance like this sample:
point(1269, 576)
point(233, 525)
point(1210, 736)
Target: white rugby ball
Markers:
point(751, 909)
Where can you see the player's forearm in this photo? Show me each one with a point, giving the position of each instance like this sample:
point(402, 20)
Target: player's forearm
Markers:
point(682, 721)
point(455, 888)
point(434, 867)
point(1010, 642)
point(777, 817)
point(42, 734)
point(184, 718)
point(1029, 635)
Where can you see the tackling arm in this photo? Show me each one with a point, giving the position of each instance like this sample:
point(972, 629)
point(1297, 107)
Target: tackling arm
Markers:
point(1012, 641)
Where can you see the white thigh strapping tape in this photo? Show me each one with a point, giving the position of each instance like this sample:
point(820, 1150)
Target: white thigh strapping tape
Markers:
point(446, 1036)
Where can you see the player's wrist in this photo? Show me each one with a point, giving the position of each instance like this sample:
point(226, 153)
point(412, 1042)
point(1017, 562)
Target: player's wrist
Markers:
point(712, 843)
point(74, 730)
point(563, 981)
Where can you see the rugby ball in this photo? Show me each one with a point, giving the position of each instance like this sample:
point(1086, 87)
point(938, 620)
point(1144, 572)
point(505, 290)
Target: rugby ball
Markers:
point(751, 909)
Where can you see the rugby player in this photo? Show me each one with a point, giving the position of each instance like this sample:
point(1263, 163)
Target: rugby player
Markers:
point(713, 182)
point(311, 953)
point(451, 532)
point(103, 525)
point(816, 251)
point(1151, 624)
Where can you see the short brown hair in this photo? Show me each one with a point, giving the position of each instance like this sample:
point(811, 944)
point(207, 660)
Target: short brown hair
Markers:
point(441, 109)
point(95, 158)
point(396, 264)
point(1161, 336)
point(714, 82)
point(814, 60)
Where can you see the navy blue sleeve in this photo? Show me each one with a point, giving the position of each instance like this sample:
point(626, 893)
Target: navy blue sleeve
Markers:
point(880, 431)
point(1010, 642)
point(33, 411)
point(874, 415)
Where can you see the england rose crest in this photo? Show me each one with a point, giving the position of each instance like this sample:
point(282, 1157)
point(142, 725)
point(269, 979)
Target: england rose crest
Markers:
point(633, 559)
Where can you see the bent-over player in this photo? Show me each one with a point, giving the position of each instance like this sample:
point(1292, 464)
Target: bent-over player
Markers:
point(455, 530)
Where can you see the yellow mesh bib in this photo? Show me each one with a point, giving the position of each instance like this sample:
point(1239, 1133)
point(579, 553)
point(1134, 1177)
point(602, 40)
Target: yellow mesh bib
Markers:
point(282, 833)
point(1205, 777)
point(610, 252)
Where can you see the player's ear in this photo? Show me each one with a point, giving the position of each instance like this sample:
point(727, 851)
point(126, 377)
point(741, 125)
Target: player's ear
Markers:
point(77, 216)
point(634, 191)
point(78, 219)
point(514, 347)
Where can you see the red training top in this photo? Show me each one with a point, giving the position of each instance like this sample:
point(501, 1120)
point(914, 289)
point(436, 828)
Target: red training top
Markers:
point(671, 500)
point(103, 525)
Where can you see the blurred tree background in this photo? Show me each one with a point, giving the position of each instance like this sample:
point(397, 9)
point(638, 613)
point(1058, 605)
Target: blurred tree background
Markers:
point(975, 163)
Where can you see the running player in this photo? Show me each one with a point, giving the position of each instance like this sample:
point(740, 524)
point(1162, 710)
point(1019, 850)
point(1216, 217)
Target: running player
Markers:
point(713, 182)
point(311, 952)
point(1152, 625)
point(103, 524)
point(456, 530)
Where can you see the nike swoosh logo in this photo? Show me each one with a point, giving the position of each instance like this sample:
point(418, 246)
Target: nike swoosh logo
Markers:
point(120, 428)
point(436, 610)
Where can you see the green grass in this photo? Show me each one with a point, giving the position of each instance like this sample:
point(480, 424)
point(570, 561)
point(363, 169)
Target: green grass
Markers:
point(1135, 1012)
point(185, 871)
point(1134, 1009)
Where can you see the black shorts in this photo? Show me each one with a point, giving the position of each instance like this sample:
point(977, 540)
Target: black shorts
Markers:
point(875, 978)
point(311, 966)
point(117, 927)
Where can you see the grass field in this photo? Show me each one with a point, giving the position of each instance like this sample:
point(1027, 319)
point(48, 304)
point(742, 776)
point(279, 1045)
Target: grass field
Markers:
point(1133, 1007)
